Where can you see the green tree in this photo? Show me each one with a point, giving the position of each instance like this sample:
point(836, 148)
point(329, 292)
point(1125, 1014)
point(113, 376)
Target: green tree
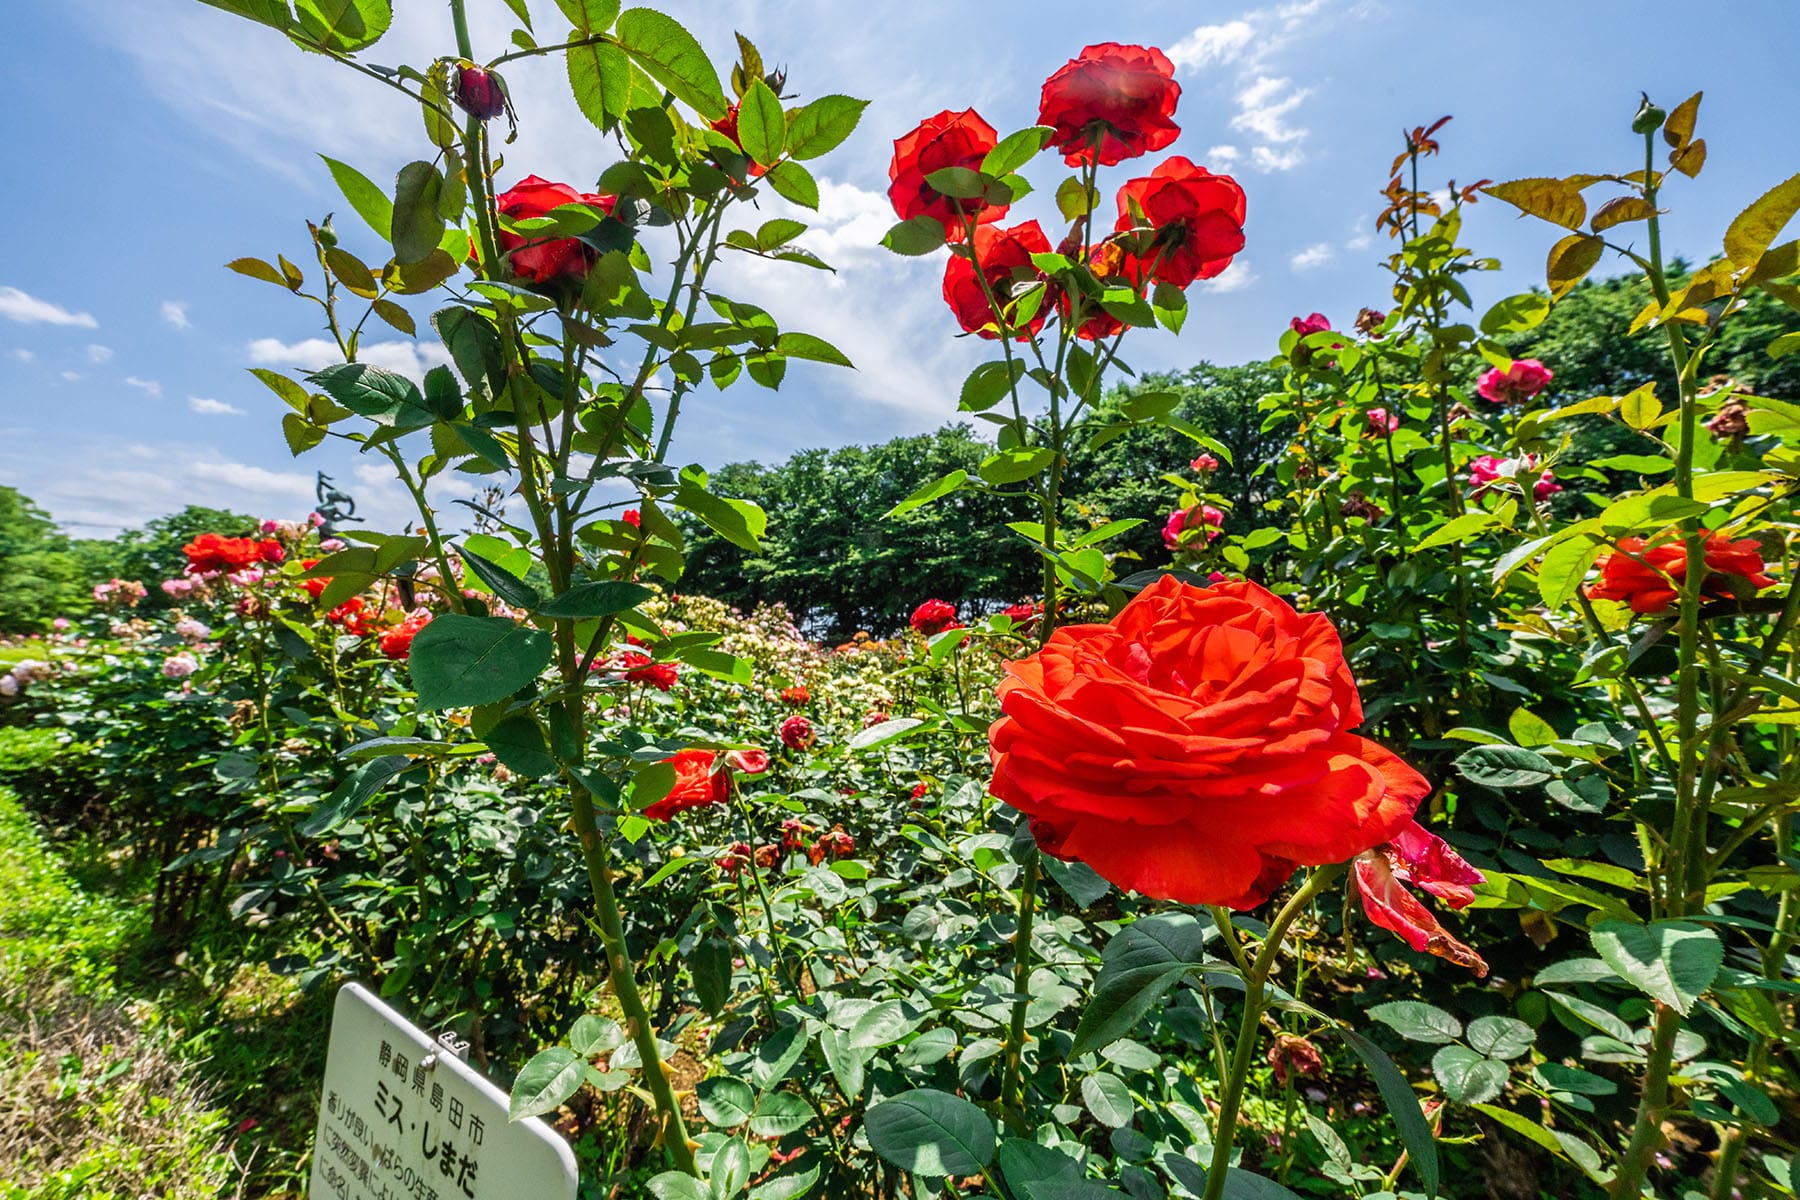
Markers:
point(40, 575)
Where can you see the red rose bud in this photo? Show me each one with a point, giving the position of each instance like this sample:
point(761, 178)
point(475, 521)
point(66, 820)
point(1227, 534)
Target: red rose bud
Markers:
point(480, 94)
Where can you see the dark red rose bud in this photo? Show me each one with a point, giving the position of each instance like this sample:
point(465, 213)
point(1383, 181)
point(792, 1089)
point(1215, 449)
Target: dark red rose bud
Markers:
point(481, 95)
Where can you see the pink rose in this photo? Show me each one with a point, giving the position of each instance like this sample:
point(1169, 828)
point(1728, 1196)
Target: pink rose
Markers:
point(1517, 384)
point(1200, 516)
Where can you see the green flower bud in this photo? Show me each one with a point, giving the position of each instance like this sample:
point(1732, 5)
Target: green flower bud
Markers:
point(1649, 118)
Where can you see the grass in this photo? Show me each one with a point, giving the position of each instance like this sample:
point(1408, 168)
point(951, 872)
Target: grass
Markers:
point(125, 1072)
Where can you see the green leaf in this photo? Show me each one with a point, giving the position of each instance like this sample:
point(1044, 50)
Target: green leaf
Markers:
point(822, 125)
point(1529, 729)
point(1403, 1106)
point(1015, 150)
point(1500, 1037)
point(369, 201)
point(1554, 200)
point(302, 435)
point(591, 1035)
point(779, 1114)
point(1753, 231)
point(1035, 1172)
point(925, 494)
point(1559, 1078)
point(599, 599)
point(882, 733)
point(344, 25)
point(737, 521)
point(786, 1187)
point(1417, 1021)
point(550, 1078)
point(776, 1056)
point(350, 795)
point(1641, 408)
point(846, 1065)
point(915, 236)
point(518, 742)
point(600, 78)
point(931, 1133)
point(1107, 1097)
point(458, 661)
point(725, 1102)
point(882, 1025)
point(1084, 885)
point(812, 348)
point(1502, 767)
point(1139, 966)
point(988, 384)
point(795, 182)
point(1569, 262)
point(1460, 529)
point(1017, 464)
point(369, 391)
point(669, 54)
point(675, 1185)
point(1670, 961)
point(256, 268)
point(505, 584)
point(417, 226)
point(762, 129)
point(1516, 314)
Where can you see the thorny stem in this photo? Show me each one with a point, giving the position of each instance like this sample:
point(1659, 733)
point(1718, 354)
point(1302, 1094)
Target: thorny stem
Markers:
point(1012, 1085)
point(1243, 1051)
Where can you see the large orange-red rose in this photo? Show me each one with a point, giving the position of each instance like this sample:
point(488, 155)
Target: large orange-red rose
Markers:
point(699, 780)
point(1649, 580)
point(1111, 103)
point(539, 259)
point(950, 139)
point(1198, 747)
point(1003, 259)
point(1198, 219)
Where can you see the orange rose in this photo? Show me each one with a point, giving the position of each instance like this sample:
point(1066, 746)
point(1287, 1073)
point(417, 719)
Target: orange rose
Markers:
point(1649, 579)
point(1198, 748)
point(699, 780)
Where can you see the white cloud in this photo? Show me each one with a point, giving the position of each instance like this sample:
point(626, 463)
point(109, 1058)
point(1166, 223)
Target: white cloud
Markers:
point(27, 309)
point(71, 376)
point(147, 385)
point(23, 355)
point(1266, 160)
point(213, 408)
point(1315, 255)
point(1223, 157)
point(99, 354)
point(244, 477)
point(1212, 44)
point(310, 354)
point(175, 313)
point(1361, 241)
point(1264, 108)
point(1234, 278)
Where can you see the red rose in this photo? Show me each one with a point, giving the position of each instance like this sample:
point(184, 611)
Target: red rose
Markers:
point(834, 845)
point(750, 762)
point(933, 617)
point(212, 552)
point(270, 551)
point(797, 733)
point(1003, 258)
point(1418, 856)
point(397, 642)
point(794, 833)
point(1649, 580)
point(1291, 1055)
point(638, 668)
point(1111, 103)
point(351, 615)
point(1198, 747)
point(632, 517)
point(697, 783)
point(734, 859)
point(541, 260)
point(1200, 516)
point(314, 587)
point(796, 696)
point(950, 139)
point(1197, 218)
point(1316, 323)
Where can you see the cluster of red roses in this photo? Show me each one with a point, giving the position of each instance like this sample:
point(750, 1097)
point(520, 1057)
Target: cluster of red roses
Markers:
point(1649, 578)
point(1112, 102)
point(216, 554)
point(795, 833)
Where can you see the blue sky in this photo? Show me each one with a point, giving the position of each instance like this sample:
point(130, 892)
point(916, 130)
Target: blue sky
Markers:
point(148, 143)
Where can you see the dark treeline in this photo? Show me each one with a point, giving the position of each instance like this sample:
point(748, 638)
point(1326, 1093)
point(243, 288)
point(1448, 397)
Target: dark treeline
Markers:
point(838, 566)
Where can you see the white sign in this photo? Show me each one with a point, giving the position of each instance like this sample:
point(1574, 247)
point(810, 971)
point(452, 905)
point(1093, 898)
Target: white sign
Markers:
point(403, 1118)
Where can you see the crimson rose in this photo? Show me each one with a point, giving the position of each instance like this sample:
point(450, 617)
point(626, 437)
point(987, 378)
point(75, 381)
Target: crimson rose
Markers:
point(1198, 747)
point(1197, 218)
point(542, 260)
point(1003, 258)
point(1111, 103)
point(950, 139)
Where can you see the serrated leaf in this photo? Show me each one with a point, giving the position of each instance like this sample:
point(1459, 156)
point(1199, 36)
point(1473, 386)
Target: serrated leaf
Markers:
point(761, 127)
point(1417, 1021)
point(1754, 230)
point(1403, 1106)
point(370, 202)
point(821, 126)
point(669, 54)
point(1569, 262)
point(931, 1133)
point(548, 1079)
point(1670, 961)
point(1552, 200)
point(1138, 967)
point(458, 661)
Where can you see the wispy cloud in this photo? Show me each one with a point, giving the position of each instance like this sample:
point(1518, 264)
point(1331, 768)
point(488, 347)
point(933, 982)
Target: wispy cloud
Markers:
point(99, 354)
point(27, 309)
point(412, 359)
point(1212, 44)
point(175, 313)
point(213, 408)
point(71, 376)
point(1315, 255)
point(24, 355)
point(1267, 102)
point(1234, 278)
point(149, 386)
